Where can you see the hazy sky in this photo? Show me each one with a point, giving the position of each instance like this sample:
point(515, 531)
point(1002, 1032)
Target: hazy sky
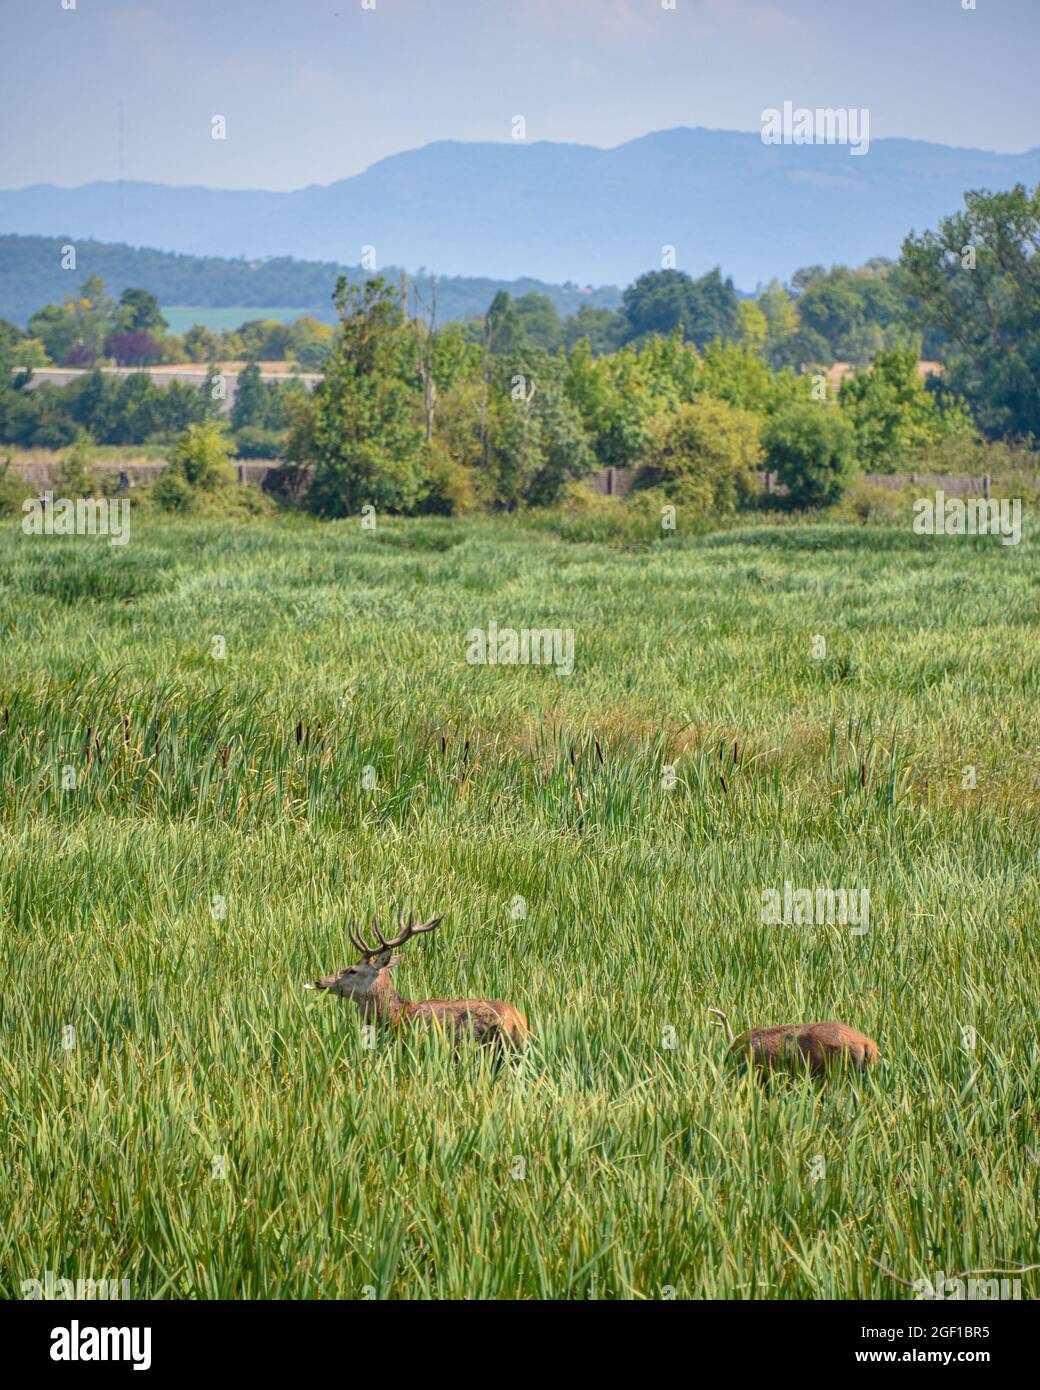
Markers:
point(313, 90)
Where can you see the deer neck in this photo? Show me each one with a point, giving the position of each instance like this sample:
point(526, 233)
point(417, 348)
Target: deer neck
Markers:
point(382, 1004)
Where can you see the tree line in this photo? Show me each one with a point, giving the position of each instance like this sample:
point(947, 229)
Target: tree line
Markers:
point(686, 383)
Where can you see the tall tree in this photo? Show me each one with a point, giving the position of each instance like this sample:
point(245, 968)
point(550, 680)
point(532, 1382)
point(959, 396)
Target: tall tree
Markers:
point(894, 413)
point(663, 300)
point(361, 432)
point(977, 279)
point(74, 333)
point(139, 312)
point(250, 407)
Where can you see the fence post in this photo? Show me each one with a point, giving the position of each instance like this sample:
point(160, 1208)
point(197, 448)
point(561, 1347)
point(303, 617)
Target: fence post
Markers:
point(985, 486)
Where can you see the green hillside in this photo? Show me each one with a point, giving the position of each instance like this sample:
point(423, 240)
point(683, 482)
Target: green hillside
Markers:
point(31, 274)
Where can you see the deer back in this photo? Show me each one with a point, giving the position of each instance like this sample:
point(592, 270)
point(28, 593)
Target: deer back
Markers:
point(794, 1046)
point(484, 1020)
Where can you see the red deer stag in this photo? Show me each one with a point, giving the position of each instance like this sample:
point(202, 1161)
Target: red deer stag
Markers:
point(368, 984)
point(796, 1046)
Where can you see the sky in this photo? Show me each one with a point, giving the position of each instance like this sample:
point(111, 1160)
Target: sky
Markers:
point(315, 90)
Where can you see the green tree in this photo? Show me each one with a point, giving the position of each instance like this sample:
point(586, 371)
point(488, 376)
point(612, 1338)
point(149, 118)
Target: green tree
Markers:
point(505, 327)
point(662, 300)
point(540, 442)
point(811, 447)
point(894, 413)
point(15, 406)
point(74, 333)
point(181, 406)
point(201, 344)
point(201, 454)
point(602, 329)
point(977, 281)
point(705, 455)
point(137, 410)
point(93, 401)
point(616, 398)
point(782, 324)
point(730, 373)
point(76, 476)
point(250, 407)
point(540, 323)
point(754, 327)
point(139, 312)
point(265, 339)
point(850, 315)
point(309, 343)
point(360, 430)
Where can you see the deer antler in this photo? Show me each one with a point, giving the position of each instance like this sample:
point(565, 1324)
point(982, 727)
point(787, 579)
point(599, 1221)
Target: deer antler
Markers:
point(408, 927)
point(723, 1022)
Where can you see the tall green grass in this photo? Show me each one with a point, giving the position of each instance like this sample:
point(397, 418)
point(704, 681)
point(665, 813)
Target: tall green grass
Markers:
point(220, 835)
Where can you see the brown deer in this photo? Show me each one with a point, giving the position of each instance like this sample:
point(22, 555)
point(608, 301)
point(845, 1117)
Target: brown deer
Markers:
point(799, 1046)
point(368, 984)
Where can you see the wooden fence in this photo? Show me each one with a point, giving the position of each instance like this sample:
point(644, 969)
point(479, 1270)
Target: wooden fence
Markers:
point(617, 482)
point(608, 482)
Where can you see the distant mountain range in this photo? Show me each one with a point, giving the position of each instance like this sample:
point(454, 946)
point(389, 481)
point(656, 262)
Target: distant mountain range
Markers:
point(558, 212)
point(31, 275)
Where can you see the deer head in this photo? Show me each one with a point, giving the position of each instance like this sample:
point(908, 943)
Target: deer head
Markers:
point(368, 976)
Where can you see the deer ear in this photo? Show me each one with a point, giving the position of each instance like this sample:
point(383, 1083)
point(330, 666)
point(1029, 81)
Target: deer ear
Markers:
point(394, 960)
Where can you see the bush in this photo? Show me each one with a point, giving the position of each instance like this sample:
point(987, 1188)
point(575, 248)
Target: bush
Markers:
point(895, 412)
point(874, 504)
point(704, 454)
point(811, 449)
point(13, 488)
point(172, 492)
point(201, 455)
point(255, 442)
point(132, 349)
point(449, 487)
point(76, 477)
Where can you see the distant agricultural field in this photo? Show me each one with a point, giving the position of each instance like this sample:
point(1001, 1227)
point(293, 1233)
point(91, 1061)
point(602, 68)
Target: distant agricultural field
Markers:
point(181, 317)
point(190, 825)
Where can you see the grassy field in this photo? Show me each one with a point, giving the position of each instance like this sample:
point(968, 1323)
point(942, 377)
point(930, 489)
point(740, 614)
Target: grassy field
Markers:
point(210, 1128)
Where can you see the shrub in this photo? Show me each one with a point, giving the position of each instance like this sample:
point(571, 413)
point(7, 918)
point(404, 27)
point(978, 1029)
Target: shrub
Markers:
point(450, 487)
point(172, 492)
point(201, 455)
point(132, 349)
point(811, 448)
point(704, 454)
point(875, 504)
point(255, 442)
point(894, 411)
point(13, 489)
point(75, 476)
